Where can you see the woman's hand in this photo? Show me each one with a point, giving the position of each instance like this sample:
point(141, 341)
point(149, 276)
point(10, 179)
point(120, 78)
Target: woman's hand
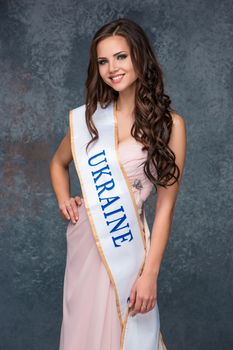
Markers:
point(69, 209)
point(143, 296)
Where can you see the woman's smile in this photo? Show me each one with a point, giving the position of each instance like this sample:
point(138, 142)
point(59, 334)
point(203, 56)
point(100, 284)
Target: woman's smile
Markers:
point(117, 78)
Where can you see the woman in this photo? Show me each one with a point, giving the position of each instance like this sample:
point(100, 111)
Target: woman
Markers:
point(124, 140)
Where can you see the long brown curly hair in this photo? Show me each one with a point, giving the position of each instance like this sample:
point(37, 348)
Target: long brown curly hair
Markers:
point(153, 121)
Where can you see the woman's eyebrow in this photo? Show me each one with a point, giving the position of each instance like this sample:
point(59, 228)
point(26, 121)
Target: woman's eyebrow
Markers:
point(115, 54)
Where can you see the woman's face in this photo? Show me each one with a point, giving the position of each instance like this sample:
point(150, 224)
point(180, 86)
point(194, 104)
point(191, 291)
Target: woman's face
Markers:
point(114, 62)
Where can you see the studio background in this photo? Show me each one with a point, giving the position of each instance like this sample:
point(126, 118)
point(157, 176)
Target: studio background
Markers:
point(43, 61)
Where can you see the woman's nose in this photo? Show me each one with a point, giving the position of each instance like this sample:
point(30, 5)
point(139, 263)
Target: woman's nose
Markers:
point(113, 66)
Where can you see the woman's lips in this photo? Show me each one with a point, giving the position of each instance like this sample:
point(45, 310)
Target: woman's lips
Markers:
point(117, 78)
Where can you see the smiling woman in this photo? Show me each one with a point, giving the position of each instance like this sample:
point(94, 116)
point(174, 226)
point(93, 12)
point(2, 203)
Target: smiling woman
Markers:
point(124, 140)
point(116, 69)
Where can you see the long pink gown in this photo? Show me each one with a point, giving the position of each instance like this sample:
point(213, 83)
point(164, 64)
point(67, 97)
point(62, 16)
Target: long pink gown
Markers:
point(90, 318)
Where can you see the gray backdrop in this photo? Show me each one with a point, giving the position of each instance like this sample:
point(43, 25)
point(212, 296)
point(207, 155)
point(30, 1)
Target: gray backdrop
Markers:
point(44, 54)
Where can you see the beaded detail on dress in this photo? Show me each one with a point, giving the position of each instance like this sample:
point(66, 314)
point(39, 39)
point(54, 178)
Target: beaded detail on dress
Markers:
point(136, 188)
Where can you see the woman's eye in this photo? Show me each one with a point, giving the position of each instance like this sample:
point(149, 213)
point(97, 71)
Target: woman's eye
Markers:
point(122, 56)
point(119, 57)
point(101, 62)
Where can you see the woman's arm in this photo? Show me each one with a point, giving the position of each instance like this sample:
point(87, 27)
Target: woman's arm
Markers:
point(59, 173)
point(143, 294)
point(166, 199)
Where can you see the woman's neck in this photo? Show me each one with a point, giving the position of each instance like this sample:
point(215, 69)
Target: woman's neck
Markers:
point(126, 101)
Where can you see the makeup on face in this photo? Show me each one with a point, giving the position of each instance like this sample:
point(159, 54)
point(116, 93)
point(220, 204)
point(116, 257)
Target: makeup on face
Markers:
point(114, 62)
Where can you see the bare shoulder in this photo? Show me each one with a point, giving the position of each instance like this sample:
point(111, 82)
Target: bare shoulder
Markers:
point(178, 120)
point(178, 127)
point(178, 139)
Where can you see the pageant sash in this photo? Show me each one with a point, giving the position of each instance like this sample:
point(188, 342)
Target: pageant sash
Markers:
point(114, 219)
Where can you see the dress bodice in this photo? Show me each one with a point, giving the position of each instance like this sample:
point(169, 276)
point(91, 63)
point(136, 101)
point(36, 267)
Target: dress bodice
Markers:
point(132, 157)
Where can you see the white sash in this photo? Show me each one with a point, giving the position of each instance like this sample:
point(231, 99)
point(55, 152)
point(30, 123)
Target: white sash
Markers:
point(115, 222)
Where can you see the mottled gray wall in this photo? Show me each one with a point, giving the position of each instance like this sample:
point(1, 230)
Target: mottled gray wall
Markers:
point(44, 53)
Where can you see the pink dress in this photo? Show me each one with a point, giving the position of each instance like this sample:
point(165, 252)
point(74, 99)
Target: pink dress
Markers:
point(90, 318)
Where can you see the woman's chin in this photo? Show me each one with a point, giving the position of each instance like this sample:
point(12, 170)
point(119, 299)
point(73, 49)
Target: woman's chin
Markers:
point(122, 88)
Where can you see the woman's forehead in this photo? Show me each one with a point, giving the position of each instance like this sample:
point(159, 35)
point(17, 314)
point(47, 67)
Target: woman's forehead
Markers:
point(111, 45)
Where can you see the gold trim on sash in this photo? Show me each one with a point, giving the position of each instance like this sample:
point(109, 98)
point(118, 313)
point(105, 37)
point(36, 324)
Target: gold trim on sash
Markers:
point(163, 345)
point(92, 221)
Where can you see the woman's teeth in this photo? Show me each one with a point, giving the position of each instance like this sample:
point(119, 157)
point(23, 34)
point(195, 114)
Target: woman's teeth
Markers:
point(117, 78)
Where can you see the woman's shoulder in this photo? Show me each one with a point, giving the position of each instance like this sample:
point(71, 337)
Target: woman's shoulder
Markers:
point(179, 130)
point(177, 119)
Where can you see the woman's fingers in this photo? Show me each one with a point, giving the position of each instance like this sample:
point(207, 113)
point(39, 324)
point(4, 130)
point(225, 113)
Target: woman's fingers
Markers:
point(143, 306)
point(137, 306)
point(72, 210)
point(69, 209)
point(147, 306)
point(78, 200)
point(63, 211)
point(132, 297)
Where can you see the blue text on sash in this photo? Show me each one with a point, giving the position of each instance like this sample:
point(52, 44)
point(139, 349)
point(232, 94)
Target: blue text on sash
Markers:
point(114, 213)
